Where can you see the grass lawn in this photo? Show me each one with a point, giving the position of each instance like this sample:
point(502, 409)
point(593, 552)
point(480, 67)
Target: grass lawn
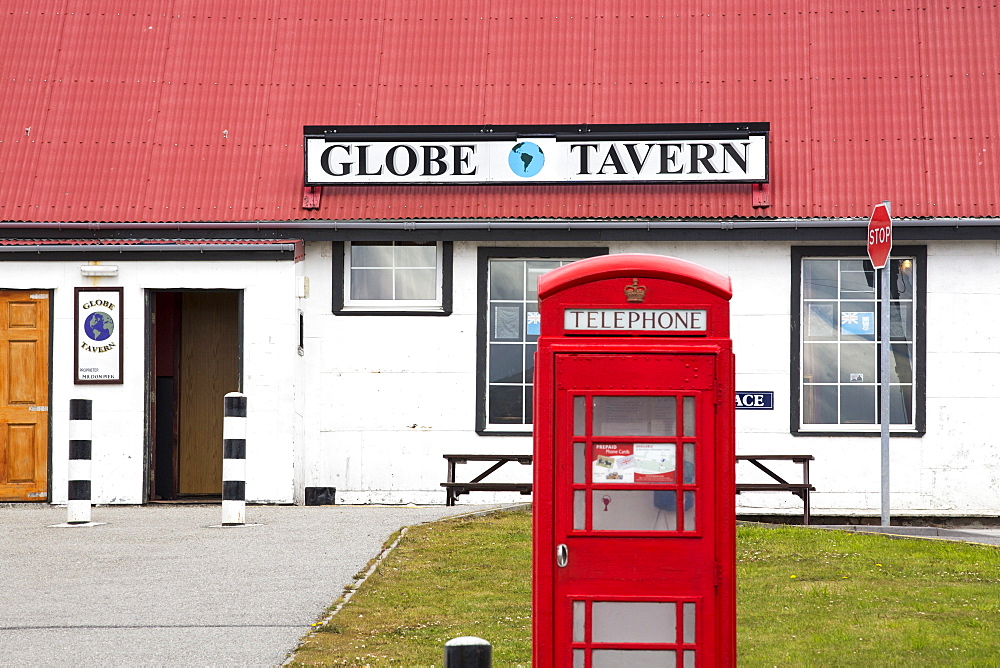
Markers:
point(807, 597)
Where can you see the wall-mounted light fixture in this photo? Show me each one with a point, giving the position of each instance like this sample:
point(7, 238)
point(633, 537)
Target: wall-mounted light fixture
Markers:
point(99, 270)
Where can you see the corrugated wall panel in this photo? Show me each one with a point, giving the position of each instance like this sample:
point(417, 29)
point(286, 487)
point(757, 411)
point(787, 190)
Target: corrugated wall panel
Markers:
point(193, 111)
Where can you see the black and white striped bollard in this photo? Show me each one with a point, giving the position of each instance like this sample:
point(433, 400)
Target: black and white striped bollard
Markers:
point(234, 460)
point(468, 652)
point(79, 470)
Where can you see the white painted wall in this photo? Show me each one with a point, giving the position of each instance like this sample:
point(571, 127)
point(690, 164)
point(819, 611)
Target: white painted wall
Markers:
point(386, 396)
point(119, 428)
point(374, 402)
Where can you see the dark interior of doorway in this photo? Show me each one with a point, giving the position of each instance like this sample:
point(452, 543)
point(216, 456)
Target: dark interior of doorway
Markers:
point(195, 361)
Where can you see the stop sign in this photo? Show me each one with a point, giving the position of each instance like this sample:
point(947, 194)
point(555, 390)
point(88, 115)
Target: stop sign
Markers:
point(879, 236)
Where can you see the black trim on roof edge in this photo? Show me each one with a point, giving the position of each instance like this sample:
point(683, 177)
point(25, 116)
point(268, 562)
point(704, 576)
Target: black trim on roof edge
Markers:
point(515, 230)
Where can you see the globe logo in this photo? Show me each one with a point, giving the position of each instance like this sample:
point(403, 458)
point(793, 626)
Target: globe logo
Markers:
point(526, 159)
point(99, 325)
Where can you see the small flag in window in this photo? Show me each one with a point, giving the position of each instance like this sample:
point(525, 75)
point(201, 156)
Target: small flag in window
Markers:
point(862, 323)
point(534, 323)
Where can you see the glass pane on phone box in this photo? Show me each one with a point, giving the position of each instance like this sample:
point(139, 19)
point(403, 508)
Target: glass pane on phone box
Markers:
point(690, 622)
point(635, 416)
point(690, 512)
point(633, 658)
point(579, 510)
point(634, 622)
point(689, 467)
point(634, 510)
point(690, 423)
point(579, 416)
point(579, 620)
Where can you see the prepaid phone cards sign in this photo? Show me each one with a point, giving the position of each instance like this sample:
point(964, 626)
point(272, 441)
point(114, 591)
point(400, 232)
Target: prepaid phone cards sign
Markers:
point(634, 463)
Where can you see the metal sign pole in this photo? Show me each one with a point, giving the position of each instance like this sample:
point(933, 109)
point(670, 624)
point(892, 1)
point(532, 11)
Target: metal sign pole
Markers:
point(884, 335)
point(884, 369)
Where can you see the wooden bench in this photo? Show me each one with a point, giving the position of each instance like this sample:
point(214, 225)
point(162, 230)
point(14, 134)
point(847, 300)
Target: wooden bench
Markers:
point(799, 489)
point(455, 489)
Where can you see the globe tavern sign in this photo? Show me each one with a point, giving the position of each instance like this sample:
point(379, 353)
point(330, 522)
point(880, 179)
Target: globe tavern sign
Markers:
point(536, 154)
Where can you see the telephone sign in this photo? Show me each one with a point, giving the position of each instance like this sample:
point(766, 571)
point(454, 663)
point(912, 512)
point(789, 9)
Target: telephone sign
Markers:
point(634, 525)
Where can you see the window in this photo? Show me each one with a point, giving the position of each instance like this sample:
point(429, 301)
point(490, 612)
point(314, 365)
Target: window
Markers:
point(508, 329)
point(395, 277)
point(836, 345)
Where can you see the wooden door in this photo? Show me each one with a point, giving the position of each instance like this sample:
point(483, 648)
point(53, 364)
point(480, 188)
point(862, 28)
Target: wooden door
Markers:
point(24, 395)
point(209, 368)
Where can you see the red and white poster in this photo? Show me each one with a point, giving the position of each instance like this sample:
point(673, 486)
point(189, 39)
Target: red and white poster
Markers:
point(634, 462)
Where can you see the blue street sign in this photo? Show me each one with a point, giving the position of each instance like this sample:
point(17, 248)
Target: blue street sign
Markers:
point(755, 401)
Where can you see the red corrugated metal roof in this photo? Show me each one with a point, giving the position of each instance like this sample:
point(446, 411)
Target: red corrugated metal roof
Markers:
point(116, 111)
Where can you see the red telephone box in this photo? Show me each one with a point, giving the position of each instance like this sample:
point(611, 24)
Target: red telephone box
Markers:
point(634, 465)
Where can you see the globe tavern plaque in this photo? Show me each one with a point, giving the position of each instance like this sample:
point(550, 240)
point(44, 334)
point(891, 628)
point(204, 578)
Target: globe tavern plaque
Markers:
point(536, 154)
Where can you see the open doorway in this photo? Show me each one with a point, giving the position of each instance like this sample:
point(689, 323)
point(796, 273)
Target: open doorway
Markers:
point(195, 352)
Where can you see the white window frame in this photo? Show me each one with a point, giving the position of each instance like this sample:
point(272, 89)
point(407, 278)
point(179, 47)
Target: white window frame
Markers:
point(486, 257)
point(392, 305)
point(915, 325)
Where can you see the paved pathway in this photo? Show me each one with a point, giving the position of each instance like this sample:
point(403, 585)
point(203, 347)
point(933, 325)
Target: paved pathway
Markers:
point(159, 586)
point(968, 535)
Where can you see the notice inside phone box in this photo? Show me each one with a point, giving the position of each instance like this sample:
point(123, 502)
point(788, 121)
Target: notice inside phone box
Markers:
point(634, 462)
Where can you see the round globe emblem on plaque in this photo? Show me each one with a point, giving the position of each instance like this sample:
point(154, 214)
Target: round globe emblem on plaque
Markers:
point(99, 326)
point(526, 159)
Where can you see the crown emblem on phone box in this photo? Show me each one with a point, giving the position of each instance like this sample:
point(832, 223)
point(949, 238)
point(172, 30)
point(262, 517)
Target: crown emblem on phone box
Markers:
point(635, 293)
